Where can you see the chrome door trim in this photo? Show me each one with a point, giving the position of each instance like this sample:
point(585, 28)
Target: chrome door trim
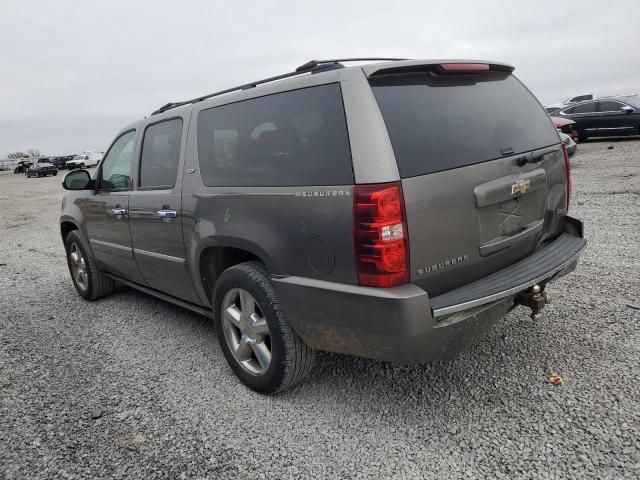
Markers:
point(115, 246)
point(607, 128)
point(160, 256)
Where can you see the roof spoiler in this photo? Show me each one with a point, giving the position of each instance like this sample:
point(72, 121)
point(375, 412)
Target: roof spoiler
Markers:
point(438, 67)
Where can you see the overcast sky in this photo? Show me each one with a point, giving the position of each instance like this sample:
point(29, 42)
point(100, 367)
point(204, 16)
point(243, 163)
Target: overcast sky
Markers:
point(72, 73)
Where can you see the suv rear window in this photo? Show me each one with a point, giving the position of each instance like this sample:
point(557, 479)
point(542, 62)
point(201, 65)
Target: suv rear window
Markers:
point(440, 123)
point(293, 138)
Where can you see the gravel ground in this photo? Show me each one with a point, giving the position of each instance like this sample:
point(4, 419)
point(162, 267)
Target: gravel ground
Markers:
point(131, 387)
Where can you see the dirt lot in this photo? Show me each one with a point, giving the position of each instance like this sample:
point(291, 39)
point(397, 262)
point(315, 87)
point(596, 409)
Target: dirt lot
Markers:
point(131, 387)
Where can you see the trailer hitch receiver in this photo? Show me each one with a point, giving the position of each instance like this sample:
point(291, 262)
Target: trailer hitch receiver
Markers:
point(535, 299)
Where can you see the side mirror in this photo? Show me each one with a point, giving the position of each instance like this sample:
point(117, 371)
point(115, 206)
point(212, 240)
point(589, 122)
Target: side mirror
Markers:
point(627, 109)
point(76, 180)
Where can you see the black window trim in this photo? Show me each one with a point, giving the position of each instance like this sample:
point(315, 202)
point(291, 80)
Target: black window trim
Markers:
point(140, 188)
point(99, 187)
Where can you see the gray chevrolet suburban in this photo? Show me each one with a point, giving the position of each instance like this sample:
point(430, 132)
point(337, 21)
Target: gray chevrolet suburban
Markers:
point(392, 210)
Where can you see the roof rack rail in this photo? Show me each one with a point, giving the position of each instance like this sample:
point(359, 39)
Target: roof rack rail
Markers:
point(313, 66)
point(315, 63)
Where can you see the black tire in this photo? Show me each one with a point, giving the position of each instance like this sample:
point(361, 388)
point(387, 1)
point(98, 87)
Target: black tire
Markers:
point(291, 359)
point(55, 173)
point(81, 165)
point(98, 285)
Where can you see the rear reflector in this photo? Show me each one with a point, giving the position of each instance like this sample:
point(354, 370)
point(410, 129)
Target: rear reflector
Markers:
point(567, 166)
point(464, 67)
point(380, 235)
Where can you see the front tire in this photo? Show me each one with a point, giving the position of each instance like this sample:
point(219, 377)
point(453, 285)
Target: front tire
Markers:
point(89, 281)
point(260, 346)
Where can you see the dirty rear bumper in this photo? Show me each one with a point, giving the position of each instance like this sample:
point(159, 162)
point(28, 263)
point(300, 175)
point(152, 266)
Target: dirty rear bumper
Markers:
point(401, 324)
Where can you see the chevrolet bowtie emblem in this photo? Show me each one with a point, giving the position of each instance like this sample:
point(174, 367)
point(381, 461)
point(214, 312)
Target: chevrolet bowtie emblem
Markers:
point(520, 187)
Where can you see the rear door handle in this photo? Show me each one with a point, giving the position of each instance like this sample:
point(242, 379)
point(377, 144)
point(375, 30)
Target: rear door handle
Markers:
point(167, 213)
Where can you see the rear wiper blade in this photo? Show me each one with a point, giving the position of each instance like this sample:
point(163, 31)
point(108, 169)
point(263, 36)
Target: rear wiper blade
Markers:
point(534, 157)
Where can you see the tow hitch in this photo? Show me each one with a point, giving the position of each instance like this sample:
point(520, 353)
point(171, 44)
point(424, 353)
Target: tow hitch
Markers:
point(535, 299)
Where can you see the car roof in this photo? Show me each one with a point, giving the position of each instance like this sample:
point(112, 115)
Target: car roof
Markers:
point(323, 69)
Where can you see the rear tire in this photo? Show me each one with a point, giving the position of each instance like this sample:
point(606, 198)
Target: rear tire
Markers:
point(82, 165)
point(89, 281)
point(249, 321)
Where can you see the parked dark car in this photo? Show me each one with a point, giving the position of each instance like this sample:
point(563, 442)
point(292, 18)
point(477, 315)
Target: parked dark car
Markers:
point(22, 166)
point(58, 162)
point(605, 117)
point(41, 169)
point(336, 209)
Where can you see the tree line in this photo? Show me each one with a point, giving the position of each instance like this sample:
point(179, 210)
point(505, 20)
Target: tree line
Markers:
point(30, 153)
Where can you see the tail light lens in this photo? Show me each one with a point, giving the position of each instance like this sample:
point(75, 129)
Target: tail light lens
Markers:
point(380, 235)
point(567, 166)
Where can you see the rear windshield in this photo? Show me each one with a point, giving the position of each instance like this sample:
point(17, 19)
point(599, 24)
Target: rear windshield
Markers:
point(440, 123)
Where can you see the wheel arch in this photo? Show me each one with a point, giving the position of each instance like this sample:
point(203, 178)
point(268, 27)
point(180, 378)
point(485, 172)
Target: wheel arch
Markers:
point(214, 256)
point(66, 227)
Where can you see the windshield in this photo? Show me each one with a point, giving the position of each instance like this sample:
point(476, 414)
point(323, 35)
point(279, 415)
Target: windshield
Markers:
point(440, 123)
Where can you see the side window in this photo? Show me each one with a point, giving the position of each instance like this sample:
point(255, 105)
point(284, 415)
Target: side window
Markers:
point(292, 138)
point(610, 106)
point(585, 108)
point(160, 154)
point(115, 173)
point(569, 111)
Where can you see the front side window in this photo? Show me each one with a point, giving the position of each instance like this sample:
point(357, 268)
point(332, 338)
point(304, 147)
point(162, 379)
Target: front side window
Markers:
point(115, 173)
point(611, 106)
point(160, 154)
point(292, 138)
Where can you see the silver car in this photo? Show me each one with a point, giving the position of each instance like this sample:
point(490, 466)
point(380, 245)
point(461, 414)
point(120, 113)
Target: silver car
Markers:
point(393, 210)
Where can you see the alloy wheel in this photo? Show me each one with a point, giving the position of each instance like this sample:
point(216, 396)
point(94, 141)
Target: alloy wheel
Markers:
point(246, 331)
point(78, 267)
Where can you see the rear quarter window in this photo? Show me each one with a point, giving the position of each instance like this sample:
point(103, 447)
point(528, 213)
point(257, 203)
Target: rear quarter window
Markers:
point(292, 138)
point(441, 123)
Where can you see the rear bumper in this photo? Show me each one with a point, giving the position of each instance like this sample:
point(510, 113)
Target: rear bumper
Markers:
point(403, 324)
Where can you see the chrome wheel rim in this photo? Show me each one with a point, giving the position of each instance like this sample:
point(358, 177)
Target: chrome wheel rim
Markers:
point(78, 267)
point(246, 331)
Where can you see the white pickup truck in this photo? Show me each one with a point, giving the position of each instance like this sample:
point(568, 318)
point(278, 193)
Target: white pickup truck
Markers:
point(85, 159)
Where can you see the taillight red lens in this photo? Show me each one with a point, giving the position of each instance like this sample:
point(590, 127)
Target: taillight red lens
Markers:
point(567, 166)
point(380, 235)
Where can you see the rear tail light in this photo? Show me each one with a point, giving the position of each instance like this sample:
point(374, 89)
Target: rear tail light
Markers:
point(380, 235)
point(567, 166)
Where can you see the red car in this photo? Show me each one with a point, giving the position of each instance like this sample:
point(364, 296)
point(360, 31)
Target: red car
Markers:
point(566, 126)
